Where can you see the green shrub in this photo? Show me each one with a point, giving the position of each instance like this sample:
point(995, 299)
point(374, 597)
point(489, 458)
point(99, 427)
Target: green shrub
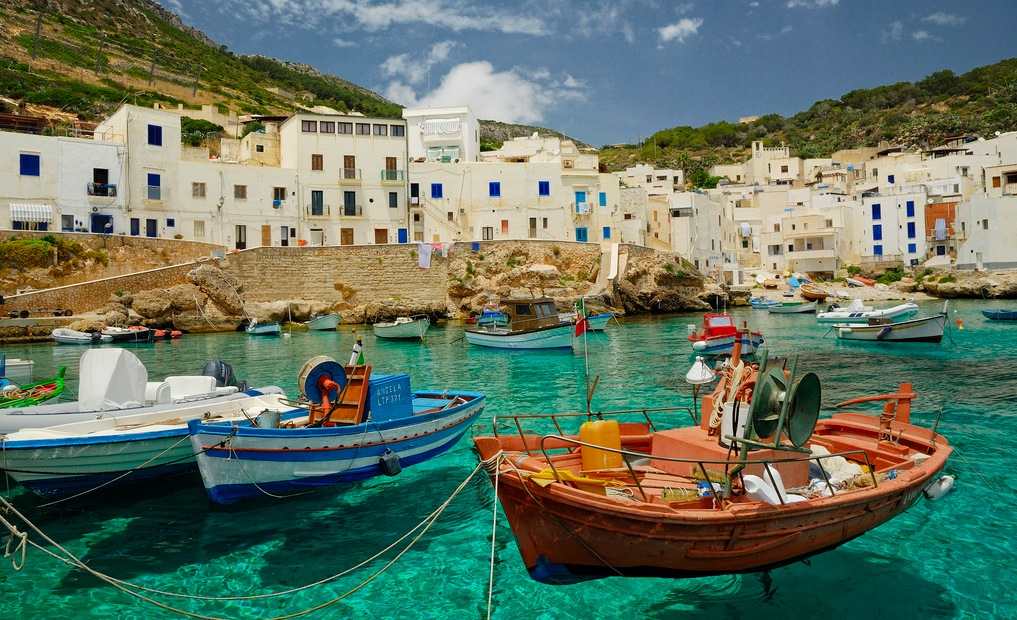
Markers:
point(947, 279)
point(853, 270)
point(894, 274)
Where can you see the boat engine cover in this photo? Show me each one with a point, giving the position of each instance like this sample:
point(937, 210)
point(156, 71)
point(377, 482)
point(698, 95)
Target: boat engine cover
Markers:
point(223, 373)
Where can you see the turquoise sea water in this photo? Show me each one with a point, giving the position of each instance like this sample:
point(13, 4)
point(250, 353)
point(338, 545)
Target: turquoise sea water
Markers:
point(946, 559)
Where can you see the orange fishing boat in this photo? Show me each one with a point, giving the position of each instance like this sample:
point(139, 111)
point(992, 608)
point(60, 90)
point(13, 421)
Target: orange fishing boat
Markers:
point(757, 482)
point(812, 292)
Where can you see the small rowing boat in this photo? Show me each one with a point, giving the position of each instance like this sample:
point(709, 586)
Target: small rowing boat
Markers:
point(858, 313)
point(796, 307)
point(812, 292)
point(1000, 315)
point(922, 329)
point(63, 335)
point(324, 322)
point(268, 328)
point(122, 335)
point(762, 303)
point(403, 327)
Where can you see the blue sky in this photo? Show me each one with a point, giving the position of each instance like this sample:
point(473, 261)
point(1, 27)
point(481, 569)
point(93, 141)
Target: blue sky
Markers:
point(609, 71)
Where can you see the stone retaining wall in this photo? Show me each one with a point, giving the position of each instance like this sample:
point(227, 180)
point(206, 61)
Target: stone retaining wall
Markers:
point(176, 250)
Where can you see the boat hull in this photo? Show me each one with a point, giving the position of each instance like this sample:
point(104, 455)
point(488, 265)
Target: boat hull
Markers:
point(724, 345)
point(806, 308)
point(929, 329)
point(844, 316)
point(1000, 315)
point(327, 322)
point(264, 329)
point(597, 322)
point(255, 461)
point(413, 329)
point(558, 337)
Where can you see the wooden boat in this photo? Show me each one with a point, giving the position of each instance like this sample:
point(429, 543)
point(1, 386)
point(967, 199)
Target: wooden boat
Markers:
point(353, 426)
point(1000, 315)
point(795, 307)
point(150, 442)
point(16, 370)
point(858, 313)
point(403, 327)
point(719, 335)
point(70, 336)
point(31, 394)
point(533, 324)
point(812, 292)
point(268, 328)
point(625, 498)
point(129, 334)
point(324, 322)
point(762, 303)
point(923, 329)
point(771, 283)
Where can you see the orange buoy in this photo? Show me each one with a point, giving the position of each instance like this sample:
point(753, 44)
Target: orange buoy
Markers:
point(960, 324)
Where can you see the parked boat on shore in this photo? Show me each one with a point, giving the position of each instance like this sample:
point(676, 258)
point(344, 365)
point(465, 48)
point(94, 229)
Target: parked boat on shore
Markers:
point(403, 327)
point(812, 292)
point(719, 335)
point(268, 328)
point(352, 426)
point(324, 322)
point(922, 329)
point(859, 313)
point(629, 499)
point(533, 324)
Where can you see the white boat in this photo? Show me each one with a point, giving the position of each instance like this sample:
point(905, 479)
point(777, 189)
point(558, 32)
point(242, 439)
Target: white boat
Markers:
point(857, 313)
point(16, 370)
point(922, 329)
point(269, 328)
point(403, 327)
point(147, 441)
point(533, 324)
point(71, 336)
point(792, 308)
point(324, 322)
point(108, 387)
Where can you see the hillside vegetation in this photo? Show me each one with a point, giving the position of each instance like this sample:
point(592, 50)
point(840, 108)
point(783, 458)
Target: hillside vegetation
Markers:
point(913, 114)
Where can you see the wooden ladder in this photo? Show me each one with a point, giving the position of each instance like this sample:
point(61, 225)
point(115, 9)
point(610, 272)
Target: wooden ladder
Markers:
point(353, 399)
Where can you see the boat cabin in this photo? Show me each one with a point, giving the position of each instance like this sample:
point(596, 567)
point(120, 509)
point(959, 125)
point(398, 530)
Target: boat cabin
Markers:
point(531, 313)
point(718, 325)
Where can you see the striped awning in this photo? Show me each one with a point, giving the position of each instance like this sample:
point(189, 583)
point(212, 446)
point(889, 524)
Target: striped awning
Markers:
point(32, 213)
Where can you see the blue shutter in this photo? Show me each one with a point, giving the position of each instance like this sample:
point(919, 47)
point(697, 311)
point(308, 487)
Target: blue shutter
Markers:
point(889, 179)
point(29, 164)
point(912, 248)
point(607, 231)
point(911, 230)
point(581, 234)
point(877, 232)
point(436, 191)
point(543, 188)
point(603, 199)
point(155, 135)
point(494, 189)
point(154, 180)
point(877, 213)
point(403, 235)
point(877, 250)
point(911, 208)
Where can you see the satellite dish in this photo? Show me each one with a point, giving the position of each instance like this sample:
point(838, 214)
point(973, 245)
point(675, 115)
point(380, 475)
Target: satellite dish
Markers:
point(785, 407)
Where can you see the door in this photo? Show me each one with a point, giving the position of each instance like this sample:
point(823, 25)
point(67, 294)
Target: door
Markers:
point(350, 204)
point(581, 234)
point(135, 226)
point(266, 235)
point(240, 237)
point(404, 236)
point(317, 202)
point(317, 236)
point(346, 236)
point(533, 227)
point(380, 236)
point(349, 167)
point(100, 182)
point(284, 236)
point(390, 169)
point(978, 261)
point(151, 228)
point(67, 223)
point(102, 224)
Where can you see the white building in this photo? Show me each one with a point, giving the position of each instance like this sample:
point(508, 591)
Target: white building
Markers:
point(891, 227)
point(446, 135)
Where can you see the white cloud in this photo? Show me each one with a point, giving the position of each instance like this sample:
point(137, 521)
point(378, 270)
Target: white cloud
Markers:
point(680, 30)
point(338, 42)
point(811, 4)
point(940, 18)
point(754, 4)
point(923, 35)
point(768, 36)
point(413, 68)
point(516, 95)
point(893, 32)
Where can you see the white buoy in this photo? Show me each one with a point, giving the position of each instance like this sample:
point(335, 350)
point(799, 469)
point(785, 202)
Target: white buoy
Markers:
point(700, 373)
point(939, 487)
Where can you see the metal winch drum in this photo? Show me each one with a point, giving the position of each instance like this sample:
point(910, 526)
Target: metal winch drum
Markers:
point(311, 373)
point(786, 406)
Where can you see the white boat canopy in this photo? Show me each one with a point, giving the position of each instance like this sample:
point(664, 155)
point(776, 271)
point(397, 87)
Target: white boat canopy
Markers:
point(111, 379)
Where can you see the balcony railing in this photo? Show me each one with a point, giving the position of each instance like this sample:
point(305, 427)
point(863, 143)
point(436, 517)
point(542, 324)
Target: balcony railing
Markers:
point(155, 192)
point(102, 189)
point(583, 208)
point(353, 211)
point(349, 175)
point(318, 210)
point(393, 176)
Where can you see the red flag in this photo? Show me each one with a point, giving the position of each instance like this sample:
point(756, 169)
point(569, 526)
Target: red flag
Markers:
point(581, 325)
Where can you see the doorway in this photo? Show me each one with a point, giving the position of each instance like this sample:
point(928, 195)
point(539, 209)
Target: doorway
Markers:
point(266, 235)
point(346, 236)
point(380, 236)
point(240, 238)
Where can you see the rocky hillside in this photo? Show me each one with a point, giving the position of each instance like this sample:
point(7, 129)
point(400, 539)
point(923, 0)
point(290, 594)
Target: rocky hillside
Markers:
point(494, 133)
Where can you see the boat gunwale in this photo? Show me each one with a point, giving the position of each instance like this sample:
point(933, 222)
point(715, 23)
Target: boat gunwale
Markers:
point(521, 332)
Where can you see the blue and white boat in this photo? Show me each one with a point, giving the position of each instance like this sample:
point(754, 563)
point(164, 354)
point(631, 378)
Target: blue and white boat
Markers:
point(269, 328)
point(533, 324)
point(597, 322)
point(762, 303)
point(347, 432)
point(1000, 315)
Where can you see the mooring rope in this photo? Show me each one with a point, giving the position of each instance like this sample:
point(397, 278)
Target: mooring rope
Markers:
point(135, 590)
point(494, 530)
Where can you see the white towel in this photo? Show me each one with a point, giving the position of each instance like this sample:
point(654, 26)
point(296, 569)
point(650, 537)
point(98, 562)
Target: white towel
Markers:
point(424, 255)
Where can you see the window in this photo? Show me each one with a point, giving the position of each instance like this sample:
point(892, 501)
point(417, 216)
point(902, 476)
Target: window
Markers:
point(317, 162)
point(877, 212)
point(30, 164)
point(197, 190)
point(889, 179)
point(381, 130)
point(199, 229)
point(783, 169)
point(154, 186)
point(911, 230)
point(350, 204)
point(450, 216)
point(155, 135)
point(543, 223)
point(582, 235)
point(602, 201)
point(745, 243)
point(240, 192)
point(397, 131)
point(580, 198)
point(171, 222)
point(877, 232)
point(260, 148)
point(309, 126)
point(985, 224)
point(997, 181)
point(278, 193)
point(504, 227)
point(829, 223)
point(317, 202)
point(345, 128)
point(910, 208)
point(543, 188)
point(628, 216)
point(326, 127)
point(776, 228)
point(363, 129)
point(436, 191)
point(912, 248)
point(494, 189)
point(606, 232)
point(393, 200)
point(487, 233)
point(877, 250)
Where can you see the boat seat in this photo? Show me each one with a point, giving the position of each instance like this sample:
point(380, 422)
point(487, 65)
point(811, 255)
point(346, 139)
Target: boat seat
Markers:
point(184, 386)
point(157, 392)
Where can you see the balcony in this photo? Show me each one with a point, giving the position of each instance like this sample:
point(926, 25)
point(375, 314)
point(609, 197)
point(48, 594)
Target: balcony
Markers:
point(396, 177)
point(156, 193)
point(352, 211)
point(349, 176)
point(807, 254)
point(583, 208)
point(103, 190)
point(318, 211)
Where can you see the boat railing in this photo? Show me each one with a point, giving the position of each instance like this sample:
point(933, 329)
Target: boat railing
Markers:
point(598, 415)
point(702, 463)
